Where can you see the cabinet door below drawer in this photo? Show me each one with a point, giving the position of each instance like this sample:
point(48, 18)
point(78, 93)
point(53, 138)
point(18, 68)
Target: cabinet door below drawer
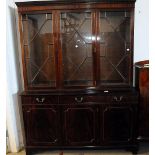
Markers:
point(117, 124)
point(80, 124)
point(42, 124)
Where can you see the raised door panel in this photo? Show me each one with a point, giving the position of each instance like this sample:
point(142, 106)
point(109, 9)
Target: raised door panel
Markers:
point(80, 125)
point(115, 42)
point(42, 125)
point(117, 124)
point(76, 44)
point(38, 45)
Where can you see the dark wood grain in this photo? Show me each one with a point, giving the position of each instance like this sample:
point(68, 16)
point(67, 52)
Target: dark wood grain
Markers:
point(117, 124)
point(83, 112)
point(22, 51)
point(97, 49)
point(82, 6)
point(131, 46)
point(77, 121)
point(94, 48)
point(83, 118)
point(55, 31)
point(42, 3)
point(142, 84)
point(42, 125)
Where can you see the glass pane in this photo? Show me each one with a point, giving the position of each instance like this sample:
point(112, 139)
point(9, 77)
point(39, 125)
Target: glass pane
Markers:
point(76, 37)
point(114, 42)
point(38, 48)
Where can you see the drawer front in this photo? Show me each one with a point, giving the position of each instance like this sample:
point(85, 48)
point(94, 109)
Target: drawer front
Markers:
point(79, 99)
point(39, 99)
point(122, 99)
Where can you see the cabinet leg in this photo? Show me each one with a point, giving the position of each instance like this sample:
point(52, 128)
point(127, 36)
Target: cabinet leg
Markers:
point(28, 152)
point(134, 150)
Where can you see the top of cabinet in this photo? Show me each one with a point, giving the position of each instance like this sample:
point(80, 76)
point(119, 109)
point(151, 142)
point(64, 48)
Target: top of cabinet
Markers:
point(38, 3)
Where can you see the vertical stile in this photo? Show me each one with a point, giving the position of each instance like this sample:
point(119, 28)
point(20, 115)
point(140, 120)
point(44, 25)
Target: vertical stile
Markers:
point(131, 46)
point(22, 50)
point(94, 46)
point(57, 49)
point(98, 48)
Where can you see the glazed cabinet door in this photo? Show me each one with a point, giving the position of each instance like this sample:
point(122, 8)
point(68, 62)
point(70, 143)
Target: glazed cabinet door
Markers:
point(115, 44)
point(80, 125)
point(38, 50)
point(77, 48)
point(118, 124)
point(42, 125)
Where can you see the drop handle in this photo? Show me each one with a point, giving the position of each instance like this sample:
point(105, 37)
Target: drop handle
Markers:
point(79, 100)
point(118, 99)
point(40, 100)
point(55, 140)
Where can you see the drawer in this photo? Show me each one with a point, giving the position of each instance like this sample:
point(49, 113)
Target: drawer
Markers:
point(122, 98)
point(77, 99)
point(39, 99)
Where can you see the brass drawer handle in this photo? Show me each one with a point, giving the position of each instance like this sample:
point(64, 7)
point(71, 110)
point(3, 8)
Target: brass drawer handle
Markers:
point(118, 99)
point(40, 100)
point(79, 100)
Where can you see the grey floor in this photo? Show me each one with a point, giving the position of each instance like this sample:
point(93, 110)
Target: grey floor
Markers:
point(144, 150)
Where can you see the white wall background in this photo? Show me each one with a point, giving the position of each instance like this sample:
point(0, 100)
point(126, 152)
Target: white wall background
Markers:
point(14, 121)
point(14, 84)
point(141, 32)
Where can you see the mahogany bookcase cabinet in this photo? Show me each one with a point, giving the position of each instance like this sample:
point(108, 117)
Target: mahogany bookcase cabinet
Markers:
point(77, 59)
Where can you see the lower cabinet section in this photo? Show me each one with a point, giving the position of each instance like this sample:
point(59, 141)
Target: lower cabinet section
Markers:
point(80, 122)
